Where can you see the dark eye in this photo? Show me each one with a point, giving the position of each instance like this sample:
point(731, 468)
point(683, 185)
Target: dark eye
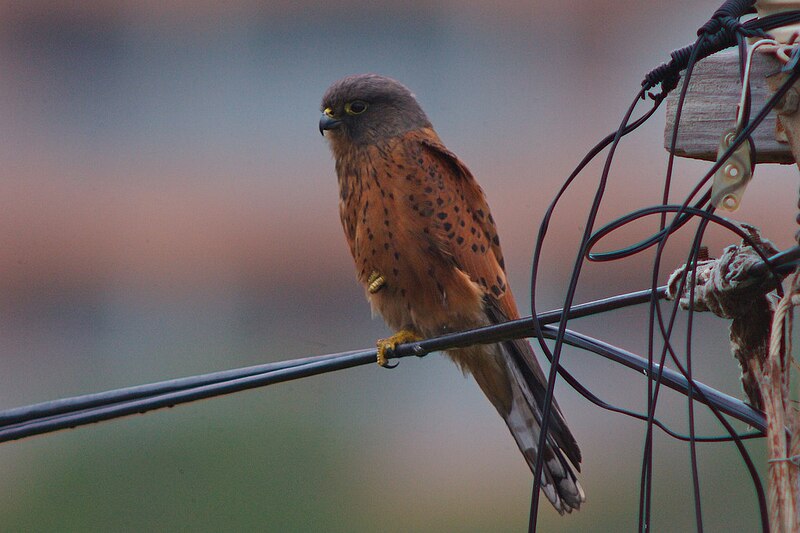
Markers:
point(356, 107)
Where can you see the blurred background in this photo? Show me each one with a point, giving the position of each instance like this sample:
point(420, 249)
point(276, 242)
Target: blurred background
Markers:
point(168, 207)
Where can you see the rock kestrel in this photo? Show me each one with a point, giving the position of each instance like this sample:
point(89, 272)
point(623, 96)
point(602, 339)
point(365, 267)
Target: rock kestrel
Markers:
point(427, 252)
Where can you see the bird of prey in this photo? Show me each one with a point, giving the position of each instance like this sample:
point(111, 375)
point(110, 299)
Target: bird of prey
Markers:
point(427, 252)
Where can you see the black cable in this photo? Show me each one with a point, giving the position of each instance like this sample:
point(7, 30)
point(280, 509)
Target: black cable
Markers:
point(50, 416)
point(227, 381)
point(296, 369)
point(670, 378)
point(740, 138)
point(545, 223)
point(668, 74)
point(739, 30)
point(571, 289)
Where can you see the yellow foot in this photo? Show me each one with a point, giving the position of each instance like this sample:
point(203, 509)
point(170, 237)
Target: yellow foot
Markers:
point(375, 282)
point(388, 345)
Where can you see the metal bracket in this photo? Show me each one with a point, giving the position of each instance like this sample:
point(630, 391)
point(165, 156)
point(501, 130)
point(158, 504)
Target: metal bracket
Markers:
point(732, 178)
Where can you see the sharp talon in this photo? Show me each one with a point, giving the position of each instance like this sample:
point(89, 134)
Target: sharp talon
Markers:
point(387, 346)
point(375, 282)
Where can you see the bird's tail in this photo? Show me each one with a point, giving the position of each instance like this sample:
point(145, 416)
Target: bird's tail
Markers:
point(517, 392)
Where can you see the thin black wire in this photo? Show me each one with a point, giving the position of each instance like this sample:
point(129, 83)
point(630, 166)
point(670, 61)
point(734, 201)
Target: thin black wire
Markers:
point(679, 220)
point(128, 400)
point(695, 252)
point(735, 144)
point(489, 334)
point(543, 227)
point(555, 355)
point(737, 31)
point(667, 75)
point(50, 416)
point(740, 138)
point(666, 334)
point(672, 379)
point(307, 367)
point(646, 481)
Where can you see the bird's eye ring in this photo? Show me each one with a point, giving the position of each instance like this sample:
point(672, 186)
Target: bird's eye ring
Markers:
point(356, 107)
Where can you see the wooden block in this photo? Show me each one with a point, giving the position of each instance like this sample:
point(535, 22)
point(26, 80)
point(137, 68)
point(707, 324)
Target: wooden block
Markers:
point(710, 108)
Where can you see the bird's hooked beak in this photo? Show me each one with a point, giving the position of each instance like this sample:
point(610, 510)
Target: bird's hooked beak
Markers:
point(328, 122)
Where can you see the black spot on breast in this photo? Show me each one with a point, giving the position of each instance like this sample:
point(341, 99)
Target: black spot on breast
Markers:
point(496, 240)
point(483, 249)
point(386, 246)
point(439, 202)
point(428, 189)
point(447, 226)
point(496, 290)
point(396, 256)
point(474, 247)
point(441, 215)
point(460, 240)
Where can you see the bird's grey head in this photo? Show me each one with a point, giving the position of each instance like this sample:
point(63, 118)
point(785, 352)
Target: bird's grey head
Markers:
point(368, 108)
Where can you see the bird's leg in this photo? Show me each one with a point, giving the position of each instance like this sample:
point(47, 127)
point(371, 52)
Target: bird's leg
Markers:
point(389, 344)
